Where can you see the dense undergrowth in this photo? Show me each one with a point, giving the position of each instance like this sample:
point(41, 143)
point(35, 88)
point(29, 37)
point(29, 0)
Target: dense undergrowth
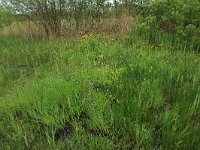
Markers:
point(98, 92)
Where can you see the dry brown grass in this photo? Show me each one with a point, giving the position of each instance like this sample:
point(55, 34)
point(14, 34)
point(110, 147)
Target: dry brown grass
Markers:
point(24, 29)
point(112, 25)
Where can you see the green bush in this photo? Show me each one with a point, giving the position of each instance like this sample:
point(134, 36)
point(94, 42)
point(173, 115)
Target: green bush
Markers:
point(180, 19)
point(6, 18)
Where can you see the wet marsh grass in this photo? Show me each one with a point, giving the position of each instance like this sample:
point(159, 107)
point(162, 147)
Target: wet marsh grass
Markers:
point(98, 93)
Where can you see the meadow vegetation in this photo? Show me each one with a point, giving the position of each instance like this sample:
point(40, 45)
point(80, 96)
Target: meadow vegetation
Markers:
point(135, 85)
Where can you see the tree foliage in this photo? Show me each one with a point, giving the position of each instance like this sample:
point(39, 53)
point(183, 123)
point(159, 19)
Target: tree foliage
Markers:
point(175, 16)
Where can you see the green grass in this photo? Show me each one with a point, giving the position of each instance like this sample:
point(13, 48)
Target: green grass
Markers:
point(98, 93)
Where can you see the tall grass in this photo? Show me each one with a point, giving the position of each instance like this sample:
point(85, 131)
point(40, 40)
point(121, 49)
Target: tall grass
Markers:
point(98, 92)
point(173, 41)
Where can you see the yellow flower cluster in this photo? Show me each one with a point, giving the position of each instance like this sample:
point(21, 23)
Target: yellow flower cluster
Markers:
point(87, 37)
point(108, 75)
point(100, 37)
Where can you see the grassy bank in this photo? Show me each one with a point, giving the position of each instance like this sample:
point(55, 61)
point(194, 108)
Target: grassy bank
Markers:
point(98, 92)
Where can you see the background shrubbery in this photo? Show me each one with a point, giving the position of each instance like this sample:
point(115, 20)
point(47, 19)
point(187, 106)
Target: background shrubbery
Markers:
point(174, 16)
point(173, 22)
